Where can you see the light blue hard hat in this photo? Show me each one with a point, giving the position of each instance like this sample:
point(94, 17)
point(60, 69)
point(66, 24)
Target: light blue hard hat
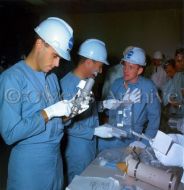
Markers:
point(58, 34)
point(94, 49)
point(135, 55)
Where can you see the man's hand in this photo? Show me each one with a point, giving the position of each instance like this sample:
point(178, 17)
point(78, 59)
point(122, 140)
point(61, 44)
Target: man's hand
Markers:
point(111, 104)
point(61, 108)
point(103, 131)
point(132, 97)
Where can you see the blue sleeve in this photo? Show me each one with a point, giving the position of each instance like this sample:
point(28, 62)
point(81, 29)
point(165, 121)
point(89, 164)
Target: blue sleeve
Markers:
point(153, 114)
point(13, 126)
point(81, 125)
point(81, 131)
point(166, 91)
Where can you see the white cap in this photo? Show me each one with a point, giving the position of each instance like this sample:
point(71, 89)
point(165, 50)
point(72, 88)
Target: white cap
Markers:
point(158, 55)
point(58, 34)
point(94, 49)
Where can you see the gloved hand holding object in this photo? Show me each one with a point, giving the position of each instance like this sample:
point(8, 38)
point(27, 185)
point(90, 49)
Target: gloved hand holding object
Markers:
point(79, 105)
point(104, 131)
point(119, 133)
point(129, 97)
point(111, 104)
point(82, 99)
point(132, 97)
point(61, 108)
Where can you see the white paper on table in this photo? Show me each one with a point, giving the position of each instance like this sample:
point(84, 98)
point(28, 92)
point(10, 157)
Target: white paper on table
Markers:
point(162, 142)
point(93, 183)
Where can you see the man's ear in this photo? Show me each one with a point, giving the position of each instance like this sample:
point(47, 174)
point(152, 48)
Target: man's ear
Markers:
point(39, 43)
point(88, 63)
point(140, 71)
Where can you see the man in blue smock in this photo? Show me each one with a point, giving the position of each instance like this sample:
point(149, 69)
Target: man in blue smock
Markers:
point(31, 110)
point(179, 59)
point(82, 131)
point(146, 113)
point(173, 93)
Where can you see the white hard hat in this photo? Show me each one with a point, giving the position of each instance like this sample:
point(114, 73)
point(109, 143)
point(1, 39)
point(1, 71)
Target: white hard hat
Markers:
point(58, 34)
point(126, 49)
point(135, 55)
point(158, 55)
point(94, 49)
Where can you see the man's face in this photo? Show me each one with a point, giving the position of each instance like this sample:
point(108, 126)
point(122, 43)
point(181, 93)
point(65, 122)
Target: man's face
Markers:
point(179, 59)
point(131, 72)
point(170, 70)
point(94, 67)
point(156, 62)
point(47, 58)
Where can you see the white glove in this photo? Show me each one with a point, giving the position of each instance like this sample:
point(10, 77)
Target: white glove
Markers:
point(103, 131)
point(119, 133)
point(132, 97)
point(137, 144)
point(111, 104)
point(61, 108)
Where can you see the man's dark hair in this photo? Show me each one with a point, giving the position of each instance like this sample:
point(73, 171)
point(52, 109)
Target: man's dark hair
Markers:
point(179, 51)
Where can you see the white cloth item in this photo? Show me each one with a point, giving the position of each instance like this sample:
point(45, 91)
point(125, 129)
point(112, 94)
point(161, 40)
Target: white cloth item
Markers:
point(103, 131)
point(159, 77)
point(161, 142)
point(175, 156)
point(94, 183)
point(61, 108)
point(137, 144)
point(111, 104)
point(132, 97)
point(177, 138)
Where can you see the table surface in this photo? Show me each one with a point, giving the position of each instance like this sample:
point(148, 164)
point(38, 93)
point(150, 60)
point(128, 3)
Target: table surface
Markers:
point(95, 170)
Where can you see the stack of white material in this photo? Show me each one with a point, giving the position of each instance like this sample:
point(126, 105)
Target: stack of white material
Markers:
point(93, 183)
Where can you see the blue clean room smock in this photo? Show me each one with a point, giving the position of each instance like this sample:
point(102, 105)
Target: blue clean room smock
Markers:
point(148, 110)
point(35, 162)
point(81, 142)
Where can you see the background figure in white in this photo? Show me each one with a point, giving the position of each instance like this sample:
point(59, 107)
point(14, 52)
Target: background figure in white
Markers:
point(113, 73)
point(172, 95)
point(159, 76)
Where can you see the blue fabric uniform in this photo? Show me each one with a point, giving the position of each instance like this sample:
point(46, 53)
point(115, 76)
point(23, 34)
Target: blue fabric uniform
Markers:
point(148, 110)
point(81, 142)
point(35, 161)
point(174, 88)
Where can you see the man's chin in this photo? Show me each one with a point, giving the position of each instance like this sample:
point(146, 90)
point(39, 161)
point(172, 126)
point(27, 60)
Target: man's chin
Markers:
point(47, 70)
